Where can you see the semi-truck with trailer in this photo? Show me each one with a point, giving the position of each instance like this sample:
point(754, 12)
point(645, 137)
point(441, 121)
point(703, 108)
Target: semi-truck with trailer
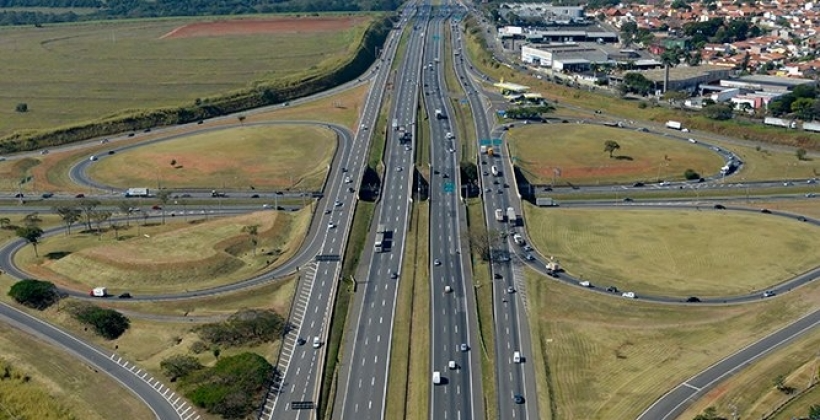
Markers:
point(499, 215)
point(779, 122)
point(675, 125)
point(136, 192)
point(395, 124)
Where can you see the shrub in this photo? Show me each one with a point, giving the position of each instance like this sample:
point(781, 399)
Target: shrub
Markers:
point(35, 294)
point(21, 107)
point(107, 323)
point(179, 366)
point(232, 388)
point(690, 174)
point(642, 105)
point(199, 347)
point(247, 327)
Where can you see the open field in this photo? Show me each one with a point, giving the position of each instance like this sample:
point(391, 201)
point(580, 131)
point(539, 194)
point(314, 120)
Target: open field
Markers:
point(675, 252)
point(107, 67)
point(809, 207)
point(67, 382)
point(578, 150)
point(610, 358)
point(263, 157)
point(171, 257)
point(753, 392)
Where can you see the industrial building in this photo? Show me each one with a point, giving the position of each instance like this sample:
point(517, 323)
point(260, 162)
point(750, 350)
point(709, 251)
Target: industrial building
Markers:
point(763, 83)
point(681, 78)
point(563, 57)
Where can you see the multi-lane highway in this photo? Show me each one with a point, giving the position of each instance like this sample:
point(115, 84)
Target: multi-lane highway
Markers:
point(453, 324)
point(515, 378)
point(363, 380)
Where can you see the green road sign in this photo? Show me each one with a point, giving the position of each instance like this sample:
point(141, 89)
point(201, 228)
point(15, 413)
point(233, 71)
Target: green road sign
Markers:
point(449, 187)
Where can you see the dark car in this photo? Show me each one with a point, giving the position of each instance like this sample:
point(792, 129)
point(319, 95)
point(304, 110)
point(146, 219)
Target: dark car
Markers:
point(156, 207)
point(612, 289)
point(300, 341)
point(19, 195)
point(693, 299)
point(638, 184)
point(255, 196)
point(497, 276)
point(766, 211)
point(720, 207)
point(130, 134)
point(48, 195)
point(802, 219)
point(125, 295)
point(147, 130)
point(80, 195)
point(627, 200)
point(518, 399)
point(111, 152)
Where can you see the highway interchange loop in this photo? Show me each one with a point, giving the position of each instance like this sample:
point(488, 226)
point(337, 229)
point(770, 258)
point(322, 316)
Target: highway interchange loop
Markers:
point(311, 247)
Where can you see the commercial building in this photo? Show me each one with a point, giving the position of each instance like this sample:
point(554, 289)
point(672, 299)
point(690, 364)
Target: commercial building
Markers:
point(763, 83)
point(563, 57)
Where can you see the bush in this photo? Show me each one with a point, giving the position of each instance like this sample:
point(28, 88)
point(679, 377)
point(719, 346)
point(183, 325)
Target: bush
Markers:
point(232, 388)
point(179, 366)
point(107, 323)
point(247, 327)
point(199, 347)
point(690, 174)
point(35, 294)
point(21, 107)
point(642, 105)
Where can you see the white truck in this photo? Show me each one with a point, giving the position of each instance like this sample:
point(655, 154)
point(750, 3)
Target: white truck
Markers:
point(483, 150)
point(395, 124)
point(136, 192)
point(495, 170)
point(499, 215)
point(99, 292)
point(511, 215)
point(440, 115)
point(675, 125)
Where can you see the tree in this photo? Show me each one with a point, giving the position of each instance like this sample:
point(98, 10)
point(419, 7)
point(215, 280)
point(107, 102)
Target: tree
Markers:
point(116, 227)
point(21, 107)
point(690, 174)
point(31, 234)
point(780, 382)
point(814, 412)
point(32, 219)
point(125, 208)
point(99, 217)
point(179, 366)
point(35, 294)
point(87, 206)
point(718, 112)
point(163, 196)
point(241, 118)
point(107, 323)
point(253, 232)
point(803, 108)
point(611, 146)
point(69, 215)
point(801, 154)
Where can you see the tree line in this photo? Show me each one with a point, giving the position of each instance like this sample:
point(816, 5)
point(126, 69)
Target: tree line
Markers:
point(122, 9)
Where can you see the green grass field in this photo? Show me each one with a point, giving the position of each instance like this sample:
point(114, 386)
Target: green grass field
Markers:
point(173, 257)
point(679, 253)
point(752, 390)
point(578, 150)
point(273, 157)
point(610, 358)
point(80, 72)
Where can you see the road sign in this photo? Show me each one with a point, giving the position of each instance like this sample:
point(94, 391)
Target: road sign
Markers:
point(496, 142)
point(485, 142)
point(449, 187)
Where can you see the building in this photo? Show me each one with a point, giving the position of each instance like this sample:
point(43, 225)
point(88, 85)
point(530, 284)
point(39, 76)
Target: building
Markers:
point(546, 37)
point(563, 57)
point(682, 78)
point(507, 88)
point(763, 83)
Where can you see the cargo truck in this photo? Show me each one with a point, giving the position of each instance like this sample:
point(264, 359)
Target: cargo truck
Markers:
point(440, 115)
point(395, 124)
point(499, 215)
point(511, 215)
point(136, 192)
point(490, 151)
point(483, 150)
point(675, 125)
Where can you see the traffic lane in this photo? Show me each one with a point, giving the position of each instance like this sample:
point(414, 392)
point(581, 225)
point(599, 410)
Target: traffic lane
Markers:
point(672, 404)
point(100, 359)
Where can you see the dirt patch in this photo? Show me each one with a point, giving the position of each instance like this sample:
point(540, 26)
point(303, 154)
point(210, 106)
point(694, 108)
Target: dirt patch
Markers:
point(266, 26)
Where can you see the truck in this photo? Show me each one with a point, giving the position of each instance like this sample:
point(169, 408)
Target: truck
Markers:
point(511, 217)
point(499, 215)
point(99, 292)
point(519, 240)
point(136, 192)
point(440, 115)
point(395, 124)
point(554, 267)
point(483, 150)
point(675, 125)
point(811, 126)
point(490, 151)
point(216, 194)
point(383, 236)
point(495, 170)
point(779, 122)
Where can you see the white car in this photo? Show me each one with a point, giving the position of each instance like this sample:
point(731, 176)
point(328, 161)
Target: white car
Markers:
point(630, 295)
point(585, 284)
point(437, 262)
point(348, 180)
point(693, 141)
point(337, 203)
point(331, 225)
point(317, 342)
point(399, 168)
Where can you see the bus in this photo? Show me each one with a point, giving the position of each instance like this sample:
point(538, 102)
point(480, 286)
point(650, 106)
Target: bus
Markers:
point(379, 245)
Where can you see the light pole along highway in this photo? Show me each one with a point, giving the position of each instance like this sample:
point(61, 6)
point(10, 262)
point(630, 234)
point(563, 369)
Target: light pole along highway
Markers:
point(454, 350)
point(515, 377)
point(363, 380)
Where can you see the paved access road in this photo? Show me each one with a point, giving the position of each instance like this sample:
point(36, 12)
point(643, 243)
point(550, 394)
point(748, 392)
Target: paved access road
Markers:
point(453, 320)
point(363, 379)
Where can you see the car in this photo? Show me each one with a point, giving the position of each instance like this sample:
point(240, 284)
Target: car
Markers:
point(486, 173)
point(147, 130)
point(452, 365)
point(630, 295)
point(585, 283)
point(394, 275)
point(488, 190)
point(464, 347)
point(693, 141)
point(156, 207)
point(131, 134)
point(328, 211)
point(255, 196)
point(344, 169)
point(529, 257)
point(2, 158)
point(331, 225)
point(300, 341)
point(627, 200)
point(638, 184)
point(811, 195)
point(93, 158)
point(44, 152)
point(445, 175)
point(80, 195)
point(337, 203)
point(48, 195)
point(267, 206)
point(500, 191)
point(407, 147)
point(398, 168)
point(19, 195)
point(350, 189)
point(527, 248)
point(811, 181)
point(111, 152)
point(317, 342)
point(510, 290)
point(720, 207)
point(693, 299)
point(518, 399)
point(363, 127)
point(495, 182)
point(802, 219)
point(765, 211)
point(643, 129)
point(612, 289)
point(769, 293)
point(125, 295)
point(664, 183)
point(103, 141)
point(448, 289)
point(185, 196)
point(436, 262)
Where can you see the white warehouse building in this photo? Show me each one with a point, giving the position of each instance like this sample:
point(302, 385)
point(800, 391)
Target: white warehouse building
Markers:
point(563, 56)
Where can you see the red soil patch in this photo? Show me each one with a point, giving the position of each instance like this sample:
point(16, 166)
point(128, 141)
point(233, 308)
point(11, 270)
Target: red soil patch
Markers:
point(266, 26)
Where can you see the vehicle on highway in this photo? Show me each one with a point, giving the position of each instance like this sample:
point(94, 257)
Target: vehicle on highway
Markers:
point(765, 211)
point(693, 141)
point(664, 183)
point(518, 399)
point(811, 181)
point(630, 295)
point(517, 357)
point(452, 365)
point(111, 152)
point(627, 200)
point(254, 195)
point(44, 152)
point(464, 347)
point(448, 289)
point(398, 168)
point(19, 195)
point(811, 195)
point(394, 275)
point(585, 284)
point(2, 158)
point(437, 262)
point(80, 195)
point(510, 290)
point(267, 206)
point(93, 158)
point(331, 225)
point(337, 203)
point(350, 189)
point(48, 195)
point(612, 289)
point(300, 341)
point(720, 207)
point(317, 342)
point(769, 293)
point(156, 207)
point(693, 299)
point(348, 180)
point(103, 141)
point(99, 292)
point(436, 378)
point(124, 295)
point(529, 257)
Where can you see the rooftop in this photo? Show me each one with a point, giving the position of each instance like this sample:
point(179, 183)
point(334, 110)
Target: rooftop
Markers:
point(774, 80)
